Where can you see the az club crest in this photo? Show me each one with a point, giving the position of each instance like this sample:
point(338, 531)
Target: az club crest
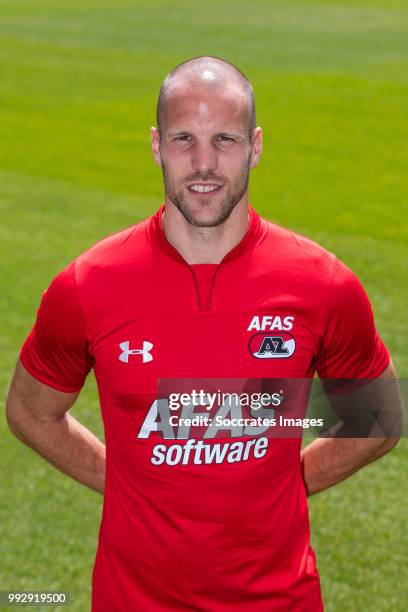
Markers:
point(272, 346)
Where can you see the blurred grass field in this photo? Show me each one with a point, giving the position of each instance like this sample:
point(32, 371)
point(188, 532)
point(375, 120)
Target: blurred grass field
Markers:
point(78, 89)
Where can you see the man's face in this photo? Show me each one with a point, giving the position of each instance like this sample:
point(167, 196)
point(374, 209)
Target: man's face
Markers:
point(205, 152)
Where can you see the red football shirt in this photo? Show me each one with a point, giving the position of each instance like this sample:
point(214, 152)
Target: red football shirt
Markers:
point(209, 525)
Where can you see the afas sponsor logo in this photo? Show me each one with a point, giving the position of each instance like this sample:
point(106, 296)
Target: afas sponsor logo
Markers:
point(271, 323)
point(229, 419)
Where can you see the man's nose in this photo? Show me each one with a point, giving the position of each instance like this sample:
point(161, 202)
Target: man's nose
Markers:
point(204, 158)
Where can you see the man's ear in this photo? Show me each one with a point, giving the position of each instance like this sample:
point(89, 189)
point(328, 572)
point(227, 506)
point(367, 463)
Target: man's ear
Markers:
point(256, 147)
point(155, 145)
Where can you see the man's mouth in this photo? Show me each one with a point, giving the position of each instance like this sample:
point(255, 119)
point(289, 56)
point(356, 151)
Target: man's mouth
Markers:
point(201, 188)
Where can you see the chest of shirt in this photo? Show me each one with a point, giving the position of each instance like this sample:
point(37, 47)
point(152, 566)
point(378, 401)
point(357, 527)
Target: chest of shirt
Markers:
point(189, 325)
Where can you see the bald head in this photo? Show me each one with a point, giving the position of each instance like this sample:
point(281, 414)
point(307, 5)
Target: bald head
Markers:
point(207, 74)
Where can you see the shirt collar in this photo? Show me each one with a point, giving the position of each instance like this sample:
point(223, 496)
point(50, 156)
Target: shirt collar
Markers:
point(246, 243)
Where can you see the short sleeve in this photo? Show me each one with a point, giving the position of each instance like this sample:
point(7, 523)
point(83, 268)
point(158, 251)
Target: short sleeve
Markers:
point(351, 346)
point(56, 350)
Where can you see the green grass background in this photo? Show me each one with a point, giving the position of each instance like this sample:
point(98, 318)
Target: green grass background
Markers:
point(78, 86)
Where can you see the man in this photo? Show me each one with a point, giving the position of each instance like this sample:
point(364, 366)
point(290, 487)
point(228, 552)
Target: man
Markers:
point(195, 292)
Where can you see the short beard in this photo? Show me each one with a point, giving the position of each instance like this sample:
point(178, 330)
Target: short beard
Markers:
point(234, 195)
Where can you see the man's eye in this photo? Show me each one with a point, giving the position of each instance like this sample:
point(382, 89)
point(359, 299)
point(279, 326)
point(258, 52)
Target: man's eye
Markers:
point(183, 138)
point(224, 138)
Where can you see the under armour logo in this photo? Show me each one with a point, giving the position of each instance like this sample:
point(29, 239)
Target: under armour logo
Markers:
point(144, 352)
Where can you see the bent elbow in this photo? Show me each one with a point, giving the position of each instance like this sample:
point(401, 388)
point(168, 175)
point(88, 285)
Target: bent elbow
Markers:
point(389, 444)
point(13, 417)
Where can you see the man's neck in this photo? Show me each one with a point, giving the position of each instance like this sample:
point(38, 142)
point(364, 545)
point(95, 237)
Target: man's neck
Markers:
point(205, 244)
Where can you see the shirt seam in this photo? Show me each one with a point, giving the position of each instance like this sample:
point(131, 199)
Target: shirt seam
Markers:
point(81, 304)
point(325, 306)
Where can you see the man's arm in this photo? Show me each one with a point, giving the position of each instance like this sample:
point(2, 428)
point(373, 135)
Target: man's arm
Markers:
point(327, 461)
point(38, 415)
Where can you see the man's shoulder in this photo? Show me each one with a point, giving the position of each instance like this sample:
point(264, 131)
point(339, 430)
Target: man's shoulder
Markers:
point(115, 245)
point(116, 251)
point(288, 249)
